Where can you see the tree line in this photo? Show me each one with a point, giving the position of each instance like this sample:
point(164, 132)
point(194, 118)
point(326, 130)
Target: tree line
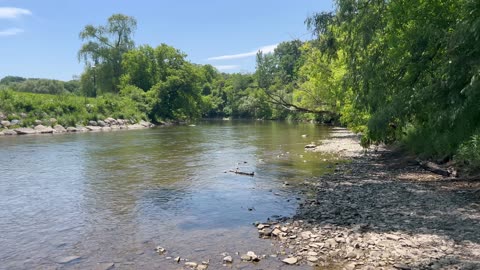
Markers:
point(396, 71)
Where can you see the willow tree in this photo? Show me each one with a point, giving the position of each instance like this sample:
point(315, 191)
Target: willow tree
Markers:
point(103, 51)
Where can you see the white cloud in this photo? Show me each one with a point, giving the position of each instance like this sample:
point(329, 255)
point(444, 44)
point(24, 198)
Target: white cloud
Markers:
point(264, 49)
point(226, 67)
point(10, 32)
point(13, 12)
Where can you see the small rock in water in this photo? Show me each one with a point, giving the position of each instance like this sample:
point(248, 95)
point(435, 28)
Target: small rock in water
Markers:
point(228, 259)
point(68, 259)
point(160, 250)
point(177, 259)
point(191, 264)
point(104, 266)
point(291, 260)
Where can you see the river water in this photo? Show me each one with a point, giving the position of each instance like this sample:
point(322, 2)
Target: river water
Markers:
point(101, 198)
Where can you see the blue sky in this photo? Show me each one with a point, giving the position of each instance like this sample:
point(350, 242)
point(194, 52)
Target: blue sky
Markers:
point(40, 38)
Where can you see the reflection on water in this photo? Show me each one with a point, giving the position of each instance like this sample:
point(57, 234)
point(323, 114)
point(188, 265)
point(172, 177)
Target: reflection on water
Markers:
point(112, 197)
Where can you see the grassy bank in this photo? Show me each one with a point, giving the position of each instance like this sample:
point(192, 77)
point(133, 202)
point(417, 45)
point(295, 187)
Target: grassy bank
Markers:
point(68, 109)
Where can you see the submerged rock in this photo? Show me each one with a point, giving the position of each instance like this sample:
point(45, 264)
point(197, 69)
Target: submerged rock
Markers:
point(228, 259)
point(291, 260)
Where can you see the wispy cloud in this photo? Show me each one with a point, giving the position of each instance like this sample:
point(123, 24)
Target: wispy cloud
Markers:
point(10, 32)
point(13, 12)
point(264, 49)
point(226, 67)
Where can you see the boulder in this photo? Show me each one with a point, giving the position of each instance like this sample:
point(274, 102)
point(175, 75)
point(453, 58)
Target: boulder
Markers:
point(81, 129)
point(5, 123)
point(291, 260)
point(25, 131)
point(110, 121)
point(135, 126)
point(92, 123)
point(71, 129)
point(15, 122)
point(228, 259)
point(101, 123)
point(52, 121)
point(9, 132)
point(37, 122)
point(43, 129)
point(144, 123)
point(93, 128)
point(59, 129)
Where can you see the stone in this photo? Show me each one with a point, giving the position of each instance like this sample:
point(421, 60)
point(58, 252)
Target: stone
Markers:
point(393, 237)
point(331, 243)
point(276, 232)
point(402, 266)
point(71, 129)
point(290, 261)
point(306, 235)
point(43, 129)
point(191, 264)
point(312, 253)
point(68, 259)
point(253, 256)
point(81, 129)
point(37, 122)
point(59, 129)
point(160, 250)
point(135, 126)
point(2, 116)
point(245, 257)
point(15, 122)
point(202, 267)
point(228, 259)
point(52, 121)
point(262, 226)
point(145, 123)
point(93, 128)
point(312, 259)
point(101, 123)
point(177, 259)
point(104, 266)
point(310, 146)
point(92, 123)
point(9, 132)
point(106, 129)
point(25, 131)
point(5, 123)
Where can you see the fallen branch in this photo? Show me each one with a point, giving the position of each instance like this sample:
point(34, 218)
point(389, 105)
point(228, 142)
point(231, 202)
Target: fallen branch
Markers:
point(243, 173)
point(430, 166)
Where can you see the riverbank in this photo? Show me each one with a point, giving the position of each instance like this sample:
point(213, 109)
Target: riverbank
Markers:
point(380, 211)
point(108, 124)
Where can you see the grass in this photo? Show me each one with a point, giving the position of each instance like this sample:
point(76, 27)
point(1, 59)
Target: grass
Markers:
point(67, 109)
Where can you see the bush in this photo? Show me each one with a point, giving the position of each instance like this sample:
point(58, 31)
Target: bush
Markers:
point(468, 154)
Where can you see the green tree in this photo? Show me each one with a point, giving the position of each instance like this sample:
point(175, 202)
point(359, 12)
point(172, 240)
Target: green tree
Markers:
point(104, 49)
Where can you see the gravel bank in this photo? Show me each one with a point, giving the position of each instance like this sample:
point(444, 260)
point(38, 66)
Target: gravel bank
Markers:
point(381, 211)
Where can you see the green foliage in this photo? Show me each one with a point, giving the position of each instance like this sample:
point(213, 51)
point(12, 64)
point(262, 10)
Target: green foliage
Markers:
point(68, 109)
point(103, 51)
point(43, 86)
point(468, 154)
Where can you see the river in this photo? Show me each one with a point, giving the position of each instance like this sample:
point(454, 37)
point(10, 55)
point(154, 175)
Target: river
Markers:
point(113, 197)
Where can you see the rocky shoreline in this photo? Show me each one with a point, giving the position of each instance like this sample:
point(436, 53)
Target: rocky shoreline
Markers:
point(51, 127)
point(380, 211)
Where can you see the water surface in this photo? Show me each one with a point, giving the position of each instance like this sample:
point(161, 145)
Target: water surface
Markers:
point(113, 197)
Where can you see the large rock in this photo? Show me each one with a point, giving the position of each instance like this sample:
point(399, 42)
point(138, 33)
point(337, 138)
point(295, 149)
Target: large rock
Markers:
point(101, 123)
point(25, 131)
point(43, 129)
point(5, 123)
point(110, 121)
point(92, 123)
point(291, 260)
point(71, 129)
point(59, 129)
point(9, 132)
point(81, 129)
point(93, 128)
point(135, 126)
point(37, 122)
point(15, 122)
point(145, 123)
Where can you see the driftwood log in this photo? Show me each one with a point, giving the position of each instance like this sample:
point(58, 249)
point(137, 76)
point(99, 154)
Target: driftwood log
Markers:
point(243, 173)
point(435, 168)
